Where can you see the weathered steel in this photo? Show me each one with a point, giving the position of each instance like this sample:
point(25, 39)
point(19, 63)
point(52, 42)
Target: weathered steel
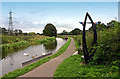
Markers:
point(85, 49)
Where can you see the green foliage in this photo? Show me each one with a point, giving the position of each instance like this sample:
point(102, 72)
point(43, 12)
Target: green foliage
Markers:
point(77, 40)
point(108, 49)
point(10, 48)
point(50, 30)
point(13, 39)
point(14, 46)
point(73, 67)
point(18, 72)
point(64, 32)
point(32, 33)
point(76, 31)
point(89, 40)
point(16, 43)
point(45, 40)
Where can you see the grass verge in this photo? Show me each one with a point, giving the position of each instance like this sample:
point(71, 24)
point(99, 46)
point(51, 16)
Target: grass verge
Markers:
point(72, 67)
point(18, 72)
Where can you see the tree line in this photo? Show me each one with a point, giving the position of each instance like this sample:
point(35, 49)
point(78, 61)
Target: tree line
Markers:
point(49, 30)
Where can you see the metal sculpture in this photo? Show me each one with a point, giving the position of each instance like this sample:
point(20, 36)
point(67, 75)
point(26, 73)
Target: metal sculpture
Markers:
point(85, 49)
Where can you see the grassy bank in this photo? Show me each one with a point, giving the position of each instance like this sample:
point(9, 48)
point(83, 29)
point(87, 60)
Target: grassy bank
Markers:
point(106, 59)
point(77, 40)
point(72, 67)
point(8, 48)
point(7, 39)
point(18, 72)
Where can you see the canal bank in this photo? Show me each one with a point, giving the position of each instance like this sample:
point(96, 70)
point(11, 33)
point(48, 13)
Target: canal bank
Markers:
point(18, 72)
point(15, 60)
point(47, 69)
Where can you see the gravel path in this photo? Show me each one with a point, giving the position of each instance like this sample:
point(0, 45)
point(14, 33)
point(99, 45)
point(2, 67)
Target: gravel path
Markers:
point(48, 68)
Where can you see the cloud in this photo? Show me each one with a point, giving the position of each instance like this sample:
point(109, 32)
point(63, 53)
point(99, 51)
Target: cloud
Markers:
point(35, 22)
point(37, 26)
point(36, 30)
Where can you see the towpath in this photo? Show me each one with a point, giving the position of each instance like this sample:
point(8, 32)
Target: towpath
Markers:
point(48, 68)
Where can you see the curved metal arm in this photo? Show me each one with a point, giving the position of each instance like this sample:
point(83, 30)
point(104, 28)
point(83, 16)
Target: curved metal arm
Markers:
point(85, 49)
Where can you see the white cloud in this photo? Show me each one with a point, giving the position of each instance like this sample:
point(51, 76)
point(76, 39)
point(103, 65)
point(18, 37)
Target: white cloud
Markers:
point(36, 30)
point(35, 22)
point(21, 22)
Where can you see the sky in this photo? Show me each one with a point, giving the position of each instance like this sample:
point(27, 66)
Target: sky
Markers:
point(33, 16)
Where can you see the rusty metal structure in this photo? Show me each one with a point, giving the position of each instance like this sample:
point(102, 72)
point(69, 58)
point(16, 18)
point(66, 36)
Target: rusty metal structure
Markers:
point(84, 44)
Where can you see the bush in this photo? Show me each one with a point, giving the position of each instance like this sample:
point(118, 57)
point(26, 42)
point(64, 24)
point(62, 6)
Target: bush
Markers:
point(108, 48)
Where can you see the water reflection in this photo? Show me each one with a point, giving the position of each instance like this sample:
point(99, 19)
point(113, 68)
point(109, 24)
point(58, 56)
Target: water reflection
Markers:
point(14, 60)
point(51, 46)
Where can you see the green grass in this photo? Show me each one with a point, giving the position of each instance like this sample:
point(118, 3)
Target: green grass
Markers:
point(13, 47)
point(10, 48)
point(13, 39)
point(71, 67)
point(18, 72)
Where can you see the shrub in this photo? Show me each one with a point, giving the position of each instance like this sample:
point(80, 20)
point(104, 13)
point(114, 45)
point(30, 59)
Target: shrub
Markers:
point(108, 48)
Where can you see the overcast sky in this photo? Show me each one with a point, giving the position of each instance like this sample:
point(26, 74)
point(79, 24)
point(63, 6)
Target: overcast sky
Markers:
point(33, 16)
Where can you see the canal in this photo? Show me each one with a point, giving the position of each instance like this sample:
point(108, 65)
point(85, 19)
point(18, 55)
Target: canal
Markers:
point(14, 61)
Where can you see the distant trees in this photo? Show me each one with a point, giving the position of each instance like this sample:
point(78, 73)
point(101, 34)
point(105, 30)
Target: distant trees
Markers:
point(76, 31)
point(17, 31)
point(32, 33)
point(4, 31)
point(50, 30)
point(64, 32)
point(102, 26)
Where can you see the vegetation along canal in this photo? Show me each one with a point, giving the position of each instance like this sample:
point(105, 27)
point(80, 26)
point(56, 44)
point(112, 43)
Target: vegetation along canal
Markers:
point(15, 60)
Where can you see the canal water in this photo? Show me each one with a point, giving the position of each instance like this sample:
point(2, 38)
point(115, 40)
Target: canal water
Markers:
point(15, 60)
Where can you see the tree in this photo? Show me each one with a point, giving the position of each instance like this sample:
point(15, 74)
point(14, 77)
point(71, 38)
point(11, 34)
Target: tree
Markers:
point(50, 30)
point(17, 31)
point(64, 32)
point(38, 33)
point(31, 33)
point(76, 31)
point(4, 31)
point(99, 27)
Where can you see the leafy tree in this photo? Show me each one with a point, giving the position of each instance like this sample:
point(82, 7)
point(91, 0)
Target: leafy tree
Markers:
point(76, 31)
point(50, 30)
point(4, 31)
point(38, 33)
point(17, 31)
point(31, 33)
point(99, 27)
point(20, 31)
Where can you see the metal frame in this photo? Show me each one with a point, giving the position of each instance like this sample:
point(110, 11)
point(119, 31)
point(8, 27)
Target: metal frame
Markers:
point(85, 49)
